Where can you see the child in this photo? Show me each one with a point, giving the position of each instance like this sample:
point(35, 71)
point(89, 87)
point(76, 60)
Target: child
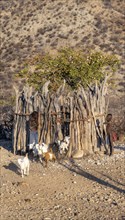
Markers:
point(109, 131)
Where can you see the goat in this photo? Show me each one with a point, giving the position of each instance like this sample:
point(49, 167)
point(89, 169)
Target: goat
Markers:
point(35, 150)
point(54, 147)
point(64, 145)
point(31, 146)
point(44, 148)
point(49, 156)
point(38, 149)
point(24, 165)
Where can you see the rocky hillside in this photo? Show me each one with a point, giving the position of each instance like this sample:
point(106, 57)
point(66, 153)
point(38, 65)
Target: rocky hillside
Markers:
point(30, 27)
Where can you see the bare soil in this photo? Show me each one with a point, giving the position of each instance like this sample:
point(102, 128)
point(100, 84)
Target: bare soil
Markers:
point(89, 188)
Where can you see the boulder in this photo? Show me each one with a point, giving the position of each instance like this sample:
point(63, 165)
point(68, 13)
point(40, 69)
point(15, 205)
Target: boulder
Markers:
point(78, 154)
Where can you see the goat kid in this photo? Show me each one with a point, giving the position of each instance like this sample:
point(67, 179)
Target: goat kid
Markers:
point(38, 149)
point(24, 165)
point(49, 156)
point(64, 145)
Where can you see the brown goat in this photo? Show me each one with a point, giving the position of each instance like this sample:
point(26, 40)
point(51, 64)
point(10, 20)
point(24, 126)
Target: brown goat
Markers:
point(49, 156)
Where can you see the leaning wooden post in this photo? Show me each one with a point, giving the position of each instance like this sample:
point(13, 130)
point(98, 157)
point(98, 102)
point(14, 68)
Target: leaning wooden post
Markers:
point(39, 125)
point(16, 120)
point(71, 128)
point(15, 134)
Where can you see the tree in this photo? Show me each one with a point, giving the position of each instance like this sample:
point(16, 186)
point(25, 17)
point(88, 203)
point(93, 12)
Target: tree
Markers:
point(76, 67)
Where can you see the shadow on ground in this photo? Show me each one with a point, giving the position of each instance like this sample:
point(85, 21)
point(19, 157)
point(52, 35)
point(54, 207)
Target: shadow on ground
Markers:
point(6, 144)
point(77, 169)
point(110, 178)
point(119, 148)
point(13, 167)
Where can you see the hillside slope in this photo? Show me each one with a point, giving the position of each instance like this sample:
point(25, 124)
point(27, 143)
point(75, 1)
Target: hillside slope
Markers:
point(34, 26)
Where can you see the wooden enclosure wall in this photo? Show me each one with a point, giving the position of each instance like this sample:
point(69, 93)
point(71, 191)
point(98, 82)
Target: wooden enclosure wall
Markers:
point(79, 114)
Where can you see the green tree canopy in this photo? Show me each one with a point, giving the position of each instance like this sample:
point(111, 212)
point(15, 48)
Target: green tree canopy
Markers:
point(76, 67)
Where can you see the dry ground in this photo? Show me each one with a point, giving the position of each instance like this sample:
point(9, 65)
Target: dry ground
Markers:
point(90, 188)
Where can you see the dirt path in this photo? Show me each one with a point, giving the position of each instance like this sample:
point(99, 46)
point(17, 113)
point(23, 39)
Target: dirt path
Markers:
point(91, 188)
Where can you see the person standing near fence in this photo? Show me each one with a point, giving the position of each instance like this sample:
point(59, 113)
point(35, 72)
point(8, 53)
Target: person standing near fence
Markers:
point(109, 131)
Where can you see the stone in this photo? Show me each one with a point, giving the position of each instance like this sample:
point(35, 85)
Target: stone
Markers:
point(78, 154)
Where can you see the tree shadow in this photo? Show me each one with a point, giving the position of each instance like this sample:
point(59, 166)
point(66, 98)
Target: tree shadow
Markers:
point(13, 167)
point(119, 148)
point(76, 169)
point(110, 178)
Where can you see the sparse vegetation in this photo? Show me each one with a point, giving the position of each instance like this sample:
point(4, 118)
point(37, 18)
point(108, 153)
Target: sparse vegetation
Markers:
point(10, 101)
point(72, 65)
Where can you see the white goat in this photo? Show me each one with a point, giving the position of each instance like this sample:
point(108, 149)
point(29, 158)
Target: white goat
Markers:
point(35, 149)
point(64, 145)
point(31, 146)
point(24, 165)
point(40, 149)
point(43, 148)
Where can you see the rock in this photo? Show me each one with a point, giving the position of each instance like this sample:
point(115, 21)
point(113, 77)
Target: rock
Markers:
point(114, 203)
point(22, 184)
point(98, 162)
point(75, 213)
point(74, 182)
point(56, 207)
point(27, 200)
point(78, 154)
